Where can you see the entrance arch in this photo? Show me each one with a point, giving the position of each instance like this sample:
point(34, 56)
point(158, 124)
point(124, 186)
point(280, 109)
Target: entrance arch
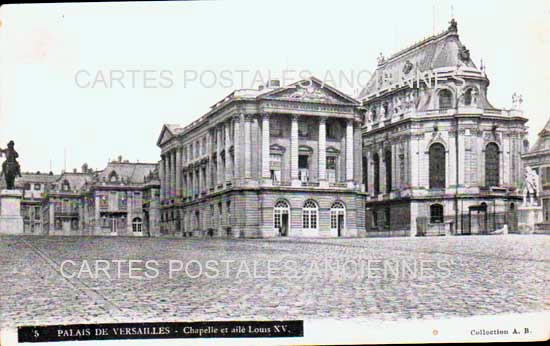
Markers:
point(281, 218)
point(337, 219)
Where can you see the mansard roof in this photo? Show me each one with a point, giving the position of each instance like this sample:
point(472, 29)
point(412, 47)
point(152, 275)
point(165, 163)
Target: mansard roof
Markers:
point(543, 140)
point(76, 180)
point(127, 172)
point(437, 51)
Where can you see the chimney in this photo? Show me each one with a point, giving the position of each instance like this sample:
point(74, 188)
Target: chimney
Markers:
point(85, 168)
point(74, 170)
point(119, 158)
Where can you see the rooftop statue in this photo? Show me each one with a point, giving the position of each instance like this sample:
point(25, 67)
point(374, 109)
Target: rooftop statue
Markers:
point(10, 167)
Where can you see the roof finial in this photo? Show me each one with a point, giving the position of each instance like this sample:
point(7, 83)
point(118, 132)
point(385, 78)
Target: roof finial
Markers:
point(453, 26)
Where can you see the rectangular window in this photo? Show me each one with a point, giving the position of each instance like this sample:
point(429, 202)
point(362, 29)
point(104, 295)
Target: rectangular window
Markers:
point(303, 130)
point(37, 213)
point(122, 200)
point(333, 220)
point(546, 175)
point(387, 220)
point(546, 209)
point(275, 128)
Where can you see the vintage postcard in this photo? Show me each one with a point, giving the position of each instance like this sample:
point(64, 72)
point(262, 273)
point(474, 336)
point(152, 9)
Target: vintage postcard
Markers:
point(274, 173)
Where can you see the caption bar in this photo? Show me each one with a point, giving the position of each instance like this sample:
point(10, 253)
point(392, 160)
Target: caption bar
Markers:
point(173, 330)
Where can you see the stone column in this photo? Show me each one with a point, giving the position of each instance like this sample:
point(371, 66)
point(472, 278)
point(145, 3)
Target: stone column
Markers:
point(161, 177)
point(462, 156)
point(178, 172)
point(323, 152)
point(198, 180)
point(228, 163)
point(349, 152)
point(247, 151)
point(220, 173)
point(209, 162)
point(174, 173)
point(294, 151)
point(265, 149)
point(237, 148)
point(191, 184)
point(169, 175)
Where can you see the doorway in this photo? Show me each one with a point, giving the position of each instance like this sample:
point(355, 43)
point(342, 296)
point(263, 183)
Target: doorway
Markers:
point(281, 219)
point(337, 219)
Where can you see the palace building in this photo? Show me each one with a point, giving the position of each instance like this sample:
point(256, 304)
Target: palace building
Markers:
point(120, 200)
point(274, 161)
point(438, 157)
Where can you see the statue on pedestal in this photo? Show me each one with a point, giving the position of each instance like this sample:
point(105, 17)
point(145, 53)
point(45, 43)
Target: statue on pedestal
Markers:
point(531, 186)
point(10, 167)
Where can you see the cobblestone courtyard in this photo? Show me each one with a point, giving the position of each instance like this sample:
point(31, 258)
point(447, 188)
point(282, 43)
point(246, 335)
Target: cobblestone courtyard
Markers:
point(481, 275)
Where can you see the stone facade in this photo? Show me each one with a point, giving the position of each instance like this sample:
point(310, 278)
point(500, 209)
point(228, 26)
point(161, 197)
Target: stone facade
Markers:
point(538, 158)
point(277, 161)
point(438, 157)
point(120, 200)
point(32, 187)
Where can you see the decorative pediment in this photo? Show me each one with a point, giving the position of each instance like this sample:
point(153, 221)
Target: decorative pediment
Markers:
point(305, 149)
point(310, 90)
point(332, 150)
point(277, 149)
point(165, 136)
point(437, 139)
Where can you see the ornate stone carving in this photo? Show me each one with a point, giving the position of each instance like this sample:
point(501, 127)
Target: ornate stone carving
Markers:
point(407, 67)
point(463, 54)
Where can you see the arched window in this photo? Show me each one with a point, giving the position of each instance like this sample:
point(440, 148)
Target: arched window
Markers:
point(437, 166)
point(468, 97)
point(309, 215)
point(337, 216)
point(197, 220)
point(281, 208)
point(436, 213)
point(136, 224)
point(365, 171)
point(388, 164)
point(445, 99)
point(65, 186)
point(376, 164)
point(492, 165)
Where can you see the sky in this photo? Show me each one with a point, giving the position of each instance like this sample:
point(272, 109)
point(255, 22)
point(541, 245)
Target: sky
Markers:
point(89, 82)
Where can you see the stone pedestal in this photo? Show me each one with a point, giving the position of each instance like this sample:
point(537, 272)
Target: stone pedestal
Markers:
point(11, 221)
point(528, 217)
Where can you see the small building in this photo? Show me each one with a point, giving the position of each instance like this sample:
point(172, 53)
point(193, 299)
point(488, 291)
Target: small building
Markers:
point(120, 200)
point(33, 186)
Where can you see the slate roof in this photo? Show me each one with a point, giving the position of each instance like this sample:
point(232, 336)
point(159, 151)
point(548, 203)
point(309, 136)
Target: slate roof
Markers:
point(76, 180)
point(438, 51)
point(130, 172)
point(543, 139)
point(36, 178)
